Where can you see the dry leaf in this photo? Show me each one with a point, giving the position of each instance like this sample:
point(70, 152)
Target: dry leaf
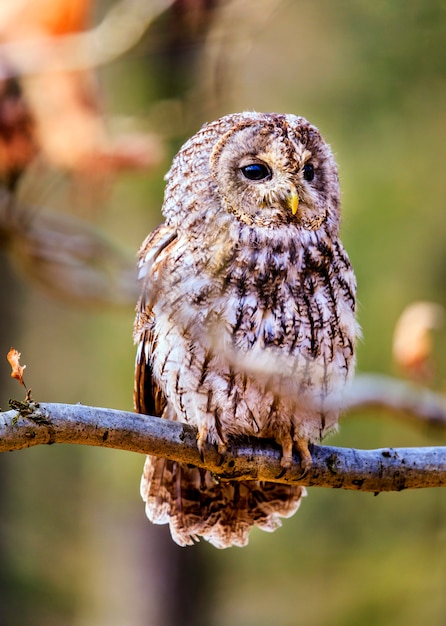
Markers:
point(17, 370)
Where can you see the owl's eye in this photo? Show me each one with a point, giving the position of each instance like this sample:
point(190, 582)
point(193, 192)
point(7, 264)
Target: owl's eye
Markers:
point(256, 171)
point(308, 170)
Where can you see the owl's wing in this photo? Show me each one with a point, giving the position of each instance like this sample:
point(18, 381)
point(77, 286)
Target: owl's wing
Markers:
point(162, 480)
point(148, 397)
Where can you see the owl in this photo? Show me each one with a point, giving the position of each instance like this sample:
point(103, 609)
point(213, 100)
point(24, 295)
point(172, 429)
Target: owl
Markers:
point(246, 320)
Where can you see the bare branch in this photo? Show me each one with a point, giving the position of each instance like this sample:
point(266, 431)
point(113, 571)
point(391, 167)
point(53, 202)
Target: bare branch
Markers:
point(366, 470)
point(373, 391)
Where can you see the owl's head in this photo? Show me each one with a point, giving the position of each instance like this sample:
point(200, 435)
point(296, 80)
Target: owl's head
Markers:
point(272, 169)
point(264, 170)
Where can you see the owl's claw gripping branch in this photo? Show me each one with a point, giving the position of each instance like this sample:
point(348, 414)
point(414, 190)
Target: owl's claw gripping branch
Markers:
point(287, 451)
point(306, 461)
point(202, 440)
point(301, 445)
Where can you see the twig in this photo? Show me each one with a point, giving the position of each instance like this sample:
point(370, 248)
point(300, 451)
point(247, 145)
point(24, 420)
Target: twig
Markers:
point(365, 470)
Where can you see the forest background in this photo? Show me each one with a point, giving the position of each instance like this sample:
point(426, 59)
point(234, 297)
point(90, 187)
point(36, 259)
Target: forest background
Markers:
point(75, 546)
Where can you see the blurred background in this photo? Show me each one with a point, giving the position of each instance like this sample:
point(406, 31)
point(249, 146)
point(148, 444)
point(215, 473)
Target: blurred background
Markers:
point(94, 136)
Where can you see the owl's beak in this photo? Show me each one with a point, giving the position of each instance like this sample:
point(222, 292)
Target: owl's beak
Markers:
point(292, 200)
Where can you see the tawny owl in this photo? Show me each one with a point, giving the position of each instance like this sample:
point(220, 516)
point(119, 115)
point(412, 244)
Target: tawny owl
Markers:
point(246, 322)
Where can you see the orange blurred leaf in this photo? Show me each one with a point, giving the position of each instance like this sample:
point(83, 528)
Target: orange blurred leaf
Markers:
point(17, 370)
point(412, 339)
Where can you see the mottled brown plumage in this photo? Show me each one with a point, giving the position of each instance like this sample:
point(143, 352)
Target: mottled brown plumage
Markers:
point(246, 319)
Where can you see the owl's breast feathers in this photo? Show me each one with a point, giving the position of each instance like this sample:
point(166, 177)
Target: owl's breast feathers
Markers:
point(247, 336)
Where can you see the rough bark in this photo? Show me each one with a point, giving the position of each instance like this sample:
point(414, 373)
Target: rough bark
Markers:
point(387, 469)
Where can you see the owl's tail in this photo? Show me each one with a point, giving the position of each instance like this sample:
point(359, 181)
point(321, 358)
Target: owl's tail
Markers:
point(195, 505)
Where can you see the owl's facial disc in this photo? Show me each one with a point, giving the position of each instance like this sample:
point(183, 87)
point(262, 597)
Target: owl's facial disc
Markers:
point(267, 177)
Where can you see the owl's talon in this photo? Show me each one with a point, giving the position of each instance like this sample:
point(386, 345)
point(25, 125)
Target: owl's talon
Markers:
point(303, 474)
point(286, 461)
point(287, 451)
point(306, 461)
point(281, 474)
point(202, 441)
point(222, 446)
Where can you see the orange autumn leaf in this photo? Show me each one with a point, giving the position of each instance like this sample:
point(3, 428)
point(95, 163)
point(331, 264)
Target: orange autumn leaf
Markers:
point(17, 369)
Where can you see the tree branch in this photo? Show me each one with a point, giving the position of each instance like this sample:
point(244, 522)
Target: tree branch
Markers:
point(365, 470)
point(375, 391)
